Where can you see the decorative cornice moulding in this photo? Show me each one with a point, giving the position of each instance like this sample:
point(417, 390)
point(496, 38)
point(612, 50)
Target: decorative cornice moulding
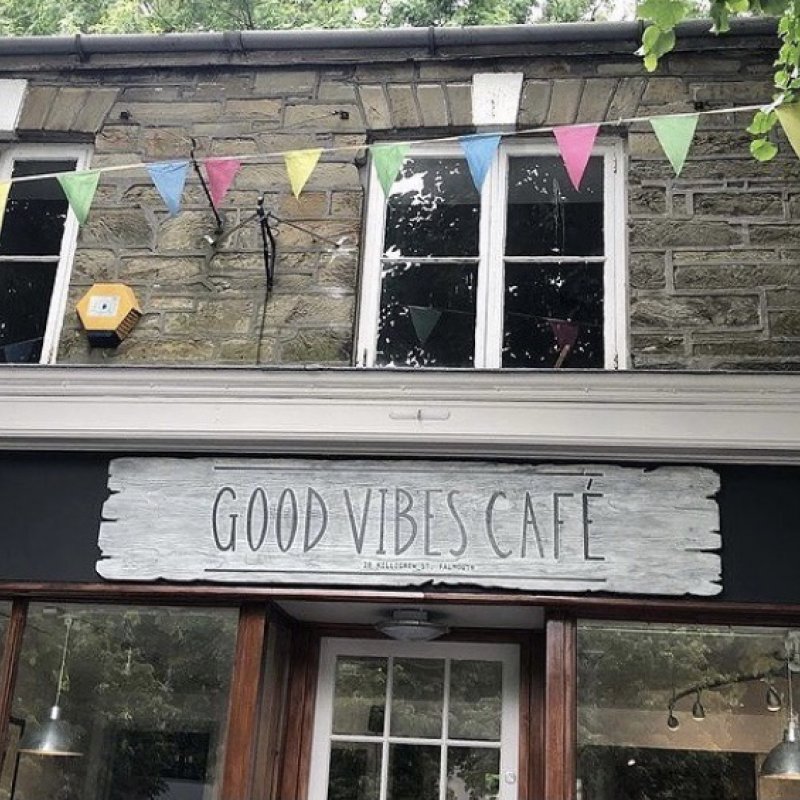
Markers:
point(641, 416)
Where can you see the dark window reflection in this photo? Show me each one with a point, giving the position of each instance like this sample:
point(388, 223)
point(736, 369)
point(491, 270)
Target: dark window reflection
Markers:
point(413, 772)
point(427, 315)
point(546, 215)
point(36, 210)
point(434, 210)
point(25, 289)
point(553, 315)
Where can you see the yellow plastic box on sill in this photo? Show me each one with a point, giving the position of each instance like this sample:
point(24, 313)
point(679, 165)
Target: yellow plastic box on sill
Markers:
point(108, 313)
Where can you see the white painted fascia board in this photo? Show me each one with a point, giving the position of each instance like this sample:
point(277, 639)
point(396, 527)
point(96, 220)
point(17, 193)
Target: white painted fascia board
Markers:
point(642, 416)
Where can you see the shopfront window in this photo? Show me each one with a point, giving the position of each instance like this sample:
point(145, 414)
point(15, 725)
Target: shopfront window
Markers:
point(120, 703)
point(687, 712)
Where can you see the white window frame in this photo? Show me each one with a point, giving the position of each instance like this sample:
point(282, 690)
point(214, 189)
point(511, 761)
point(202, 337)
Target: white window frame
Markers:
point(489, 310)
point(69, 239)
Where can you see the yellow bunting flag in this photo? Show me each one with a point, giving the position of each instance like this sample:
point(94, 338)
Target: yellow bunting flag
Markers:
point(299, 165)
point(789, 117)
point(4, 190)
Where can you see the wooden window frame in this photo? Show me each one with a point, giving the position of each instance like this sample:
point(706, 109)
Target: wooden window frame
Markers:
point(489, 310)
point(58, 297)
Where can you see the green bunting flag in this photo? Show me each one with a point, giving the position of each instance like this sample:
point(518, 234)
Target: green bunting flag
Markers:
point(424, 321)
point(79, 187)
point(388, 158)
point(675, 136)
point(789, 117)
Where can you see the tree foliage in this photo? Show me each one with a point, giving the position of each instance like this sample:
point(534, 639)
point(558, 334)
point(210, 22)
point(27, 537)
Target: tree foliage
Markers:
point(41, 17)
point(659, 39)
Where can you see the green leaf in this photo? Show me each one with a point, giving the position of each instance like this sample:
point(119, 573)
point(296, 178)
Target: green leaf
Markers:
point(650, 62)
point(763, 122)
point(763, 149)
point(720, 16)
point(737, 6)
point(665, 14)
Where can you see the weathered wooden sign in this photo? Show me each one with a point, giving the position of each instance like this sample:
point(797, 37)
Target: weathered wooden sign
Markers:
point(383, 523)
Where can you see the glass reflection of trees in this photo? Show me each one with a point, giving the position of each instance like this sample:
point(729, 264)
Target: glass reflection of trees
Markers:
point(147, 688)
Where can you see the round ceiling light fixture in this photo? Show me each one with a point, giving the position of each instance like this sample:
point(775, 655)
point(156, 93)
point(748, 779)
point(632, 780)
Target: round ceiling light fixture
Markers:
point(411, 625)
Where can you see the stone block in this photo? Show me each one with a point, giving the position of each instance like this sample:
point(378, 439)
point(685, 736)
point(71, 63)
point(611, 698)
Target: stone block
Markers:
point(241, 351)
point(779, 235)
point(656, 234)
point(534, 103)
point(166, 142)
point(564, 101)
point(236, 146)
point(212, 317)
point(648, 202)
point(262, 110)
point(665, 91)
point(785, 323)
point(432, 105)
point(185, 232)
point(128, 227)
point(339, 271)
point(163, 350)
point(403, 105)
point(94, 266)
point(447, 72)
point(149, 94)
point(324, 117)
point(223, 88)
point(318, 346)
point(459, 103)
point(380, 73)
point(159, 270)
point(735, 276)
point(64, 111)
point(661, 344)
point(647, 270)
point(95, 110)
point(175, 113)
point(276, 82)
point(626, 98)
point(310, 205)
point(596, 98)
point(38, 102)
point(117, 139)
point(723, 256)
point(337, 92)
point(739, 204)
point(729, 93)
point(347, 204)
point(695, 312)
point(376, 107)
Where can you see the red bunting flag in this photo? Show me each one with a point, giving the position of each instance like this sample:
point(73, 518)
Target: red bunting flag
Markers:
point(220, 173)
point(575, 142)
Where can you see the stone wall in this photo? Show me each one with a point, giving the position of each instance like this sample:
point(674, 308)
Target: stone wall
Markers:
point(714, 256)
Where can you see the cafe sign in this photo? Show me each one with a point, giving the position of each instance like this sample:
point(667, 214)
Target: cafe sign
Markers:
point(564, 528)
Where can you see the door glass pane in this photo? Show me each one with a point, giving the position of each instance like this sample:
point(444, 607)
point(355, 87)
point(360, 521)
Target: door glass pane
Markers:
point(473, 773)
point(433, 210)
point(355, 771)
point(553, 315)
point(418, 697)
point(142, 702)
point(413, 772)
point(427, 315)
point(359, 695)
point(25, 292)
point(476, 700)
point(36, 210)
point(547, 216)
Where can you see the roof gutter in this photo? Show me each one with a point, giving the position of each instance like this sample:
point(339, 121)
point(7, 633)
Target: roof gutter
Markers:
point(431, 39)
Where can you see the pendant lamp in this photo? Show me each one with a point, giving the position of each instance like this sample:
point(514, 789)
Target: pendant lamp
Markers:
point(56, 737)
point(783, 761)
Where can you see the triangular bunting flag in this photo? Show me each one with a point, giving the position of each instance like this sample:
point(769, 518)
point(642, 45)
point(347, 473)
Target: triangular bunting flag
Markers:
point(479, 151)
point(5, 188)
point(388, 159)
point(565, 332)
point(220, 173)
point(424, 321)
point(675, 136)
point(789, 117)
point(79, 187)
point(169, 178)
point(575, 143)
point(299, 166)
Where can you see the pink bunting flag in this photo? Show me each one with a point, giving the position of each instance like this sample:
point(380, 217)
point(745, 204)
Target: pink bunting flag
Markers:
point(575, 142)
point(565, 332)
point(220, 173)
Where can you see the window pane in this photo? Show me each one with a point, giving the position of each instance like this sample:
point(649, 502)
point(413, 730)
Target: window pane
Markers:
point(355, 771)
point(143, 701)
point(433, 210)
point(473, 773)
point(553, 315)
point(25, 292)
point(645, 731)
point(36, 210)
point(359, 695)
point(413, 772)
point(427, 315)
point(547, 215)
point(476, 700)
point(417, 697)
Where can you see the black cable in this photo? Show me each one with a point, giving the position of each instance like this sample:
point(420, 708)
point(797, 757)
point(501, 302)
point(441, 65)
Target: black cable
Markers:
point(268, 246)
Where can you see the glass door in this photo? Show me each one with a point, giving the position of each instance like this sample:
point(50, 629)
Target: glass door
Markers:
point(415, 721)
